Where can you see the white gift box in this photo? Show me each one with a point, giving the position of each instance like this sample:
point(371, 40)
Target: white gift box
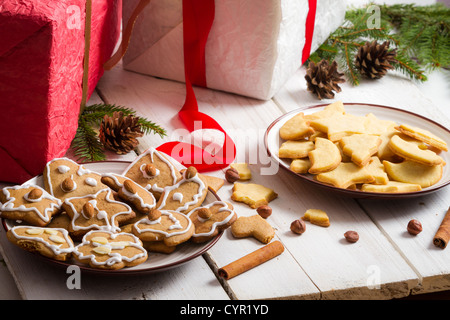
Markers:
point(254, 46)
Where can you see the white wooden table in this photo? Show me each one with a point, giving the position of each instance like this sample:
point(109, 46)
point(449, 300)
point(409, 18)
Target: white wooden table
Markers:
point(385, 263)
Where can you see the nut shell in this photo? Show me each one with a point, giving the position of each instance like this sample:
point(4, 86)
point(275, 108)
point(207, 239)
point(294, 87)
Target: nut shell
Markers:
point(231, 175)
point(264, 211)
point(298, 226)
point(414, 227)
point(351, 236)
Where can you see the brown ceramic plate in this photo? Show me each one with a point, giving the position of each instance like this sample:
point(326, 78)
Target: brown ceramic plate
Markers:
point(156, 262)
point(272, 143)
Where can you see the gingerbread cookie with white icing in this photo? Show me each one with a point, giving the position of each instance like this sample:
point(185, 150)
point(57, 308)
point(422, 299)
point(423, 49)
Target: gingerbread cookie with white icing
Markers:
point(211, 219)
point(54, 243)
point(98, 211)
point(64, 178)
point(153, 170)
point(186, 195)
point(171, 227)
point(109, 250)
point(129, 191)
point(29, 203)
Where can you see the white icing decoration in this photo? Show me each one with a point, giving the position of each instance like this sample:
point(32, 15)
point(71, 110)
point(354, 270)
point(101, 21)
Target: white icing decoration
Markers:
point(91, 181)
point(63, 169)
point(176, 224)
point(177, 196)
point(10, 206)
point(56, 249)
point(115, 257)
point(215, 224)
point(102, 215)
point(144, 173)
point(82, 170)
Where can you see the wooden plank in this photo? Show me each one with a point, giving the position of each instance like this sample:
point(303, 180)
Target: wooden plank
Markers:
point(166, 98)
point(246, 121)
point(392, 216)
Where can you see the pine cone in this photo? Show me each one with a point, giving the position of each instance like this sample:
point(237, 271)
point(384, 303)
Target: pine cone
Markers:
point(374, 60)
point(322, 79)
point(118, 133)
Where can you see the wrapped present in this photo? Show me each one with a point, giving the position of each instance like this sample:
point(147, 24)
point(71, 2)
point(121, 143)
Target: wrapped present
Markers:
point(51, 57)
point(252, 49)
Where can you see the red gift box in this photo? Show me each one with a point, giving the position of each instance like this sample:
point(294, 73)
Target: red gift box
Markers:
point(51, 58)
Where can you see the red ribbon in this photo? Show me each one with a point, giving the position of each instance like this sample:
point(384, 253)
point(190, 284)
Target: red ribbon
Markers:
point(309, 29)
point(198, 17)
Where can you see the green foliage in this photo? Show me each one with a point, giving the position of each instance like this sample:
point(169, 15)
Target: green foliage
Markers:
point(420, 35)
point(87, 146)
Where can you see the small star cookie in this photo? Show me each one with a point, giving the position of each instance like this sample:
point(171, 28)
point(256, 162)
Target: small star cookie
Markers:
point(339, 126)
point(345, 175)
point(296, 128)
point(252, 194)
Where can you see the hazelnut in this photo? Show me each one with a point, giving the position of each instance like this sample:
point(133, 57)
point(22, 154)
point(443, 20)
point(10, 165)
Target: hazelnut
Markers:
point(68, 185)
point(264, 211)
point(129, 186)
point(231, 175)
point(154, 214)
point(298, 226)
point(88, 210)
point(35, 193)
point(150, 169)
point(204, 213)
point(414, 227)
point(351, 236)
point(190, 172)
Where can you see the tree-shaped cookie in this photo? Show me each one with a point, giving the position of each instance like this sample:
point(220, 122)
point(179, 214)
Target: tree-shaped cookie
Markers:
point(360, 147)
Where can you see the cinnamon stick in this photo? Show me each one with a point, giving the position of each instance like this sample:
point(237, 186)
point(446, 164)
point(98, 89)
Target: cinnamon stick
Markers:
point(251, 260)
point(443, 234)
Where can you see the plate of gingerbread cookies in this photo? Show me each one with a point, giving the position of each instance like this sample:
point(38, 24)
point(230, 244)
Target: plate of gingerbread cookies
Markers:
point(116, 217)
point(362, 150)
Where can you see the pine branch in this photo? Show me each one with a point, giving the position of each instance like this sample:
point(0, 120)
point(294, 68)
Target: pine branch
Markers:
point(86, 144)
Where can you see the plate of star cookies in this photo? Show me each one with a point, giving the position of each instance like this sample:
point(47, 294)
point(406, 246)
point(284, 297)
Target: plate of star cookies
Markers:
point(116, 217)
point(362, 150)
